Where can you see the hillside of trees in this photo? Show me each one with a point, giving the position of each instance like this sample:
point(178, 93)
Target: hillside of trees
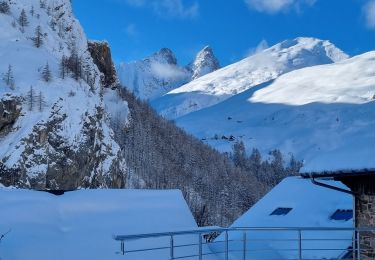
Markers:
point(217, 187)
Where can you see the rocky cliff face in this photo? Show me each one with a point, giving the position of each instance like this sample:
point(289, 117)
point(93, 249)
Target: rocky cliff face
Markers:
point(101, 54)
point(55, 133)
point(204, 63)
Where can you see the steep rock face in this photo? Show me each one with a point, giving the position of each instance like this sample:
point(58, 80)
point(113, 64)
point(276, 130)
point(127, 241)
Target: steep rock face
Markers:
point(10, 109)
point(101, 54)
point(160, 73)
point(154, 76)
point(204, 63)
point(63, 139)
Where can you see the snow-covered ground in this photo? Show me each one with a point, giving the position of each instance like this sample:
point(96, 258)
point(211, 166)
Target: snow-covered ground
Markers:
point(261, 67)
point(312, 207)
point(80, 224)
point(324, 115)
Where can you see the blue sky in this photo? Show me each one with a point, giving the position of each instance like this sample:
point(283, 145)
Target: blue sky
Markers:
point(233, 28)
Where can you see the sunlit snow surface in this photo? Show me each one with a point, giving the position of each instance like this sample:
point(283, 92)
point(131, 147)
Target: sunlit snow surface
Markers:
point(261, 67)
point(80, 224)
point(324, 115)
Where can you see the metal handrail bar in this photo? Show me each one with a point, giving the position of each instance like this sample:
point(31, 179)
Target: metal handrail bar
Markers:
point(219, 230)
point(300, 233)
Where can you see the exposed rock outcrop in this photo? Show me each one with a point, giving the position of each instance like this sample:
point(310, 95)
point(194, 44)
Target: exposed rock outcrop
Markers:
point(10, 109)
point(204, 63)
point(101, 54)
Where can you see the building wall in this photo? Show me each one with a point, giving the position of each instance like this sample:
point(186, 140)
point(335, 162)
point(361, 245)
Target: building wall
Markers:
point(364, 189)
point(365, 217)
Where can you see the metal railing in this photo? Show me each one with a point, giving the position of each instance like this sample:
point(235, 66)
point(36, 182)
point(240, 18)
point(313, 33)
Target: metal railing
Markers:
point(250, 243)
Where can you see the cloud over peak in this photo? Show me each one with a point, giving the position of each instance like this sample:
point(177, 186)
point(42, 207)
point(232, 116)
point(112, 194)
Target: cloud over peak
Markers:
point(369, 13)
point(168, 8)
point(276, 6)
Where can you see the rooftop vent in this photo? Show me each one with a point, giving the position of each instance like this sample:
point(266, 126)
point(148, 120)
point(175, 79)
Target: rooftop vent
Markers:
point(342, 214)
point(280, 211)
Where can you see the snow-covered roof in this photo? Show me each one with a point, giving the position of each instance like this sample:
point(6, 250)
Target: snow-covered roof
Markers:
point(80, 224)
point(338, 173)
point(308, 206)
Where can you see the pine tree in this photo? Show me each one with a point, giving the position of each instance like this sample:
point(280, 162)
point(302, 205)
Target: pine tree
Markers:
point(239, 154)
point(9, 78)
point(22, 20)
point(38, 39)
point(63, 67)
point(4, 7)
point(41, 101)
point(42, 4)
point(75, 64)
point(32, 11)
point(46, 73)
point(31, 98)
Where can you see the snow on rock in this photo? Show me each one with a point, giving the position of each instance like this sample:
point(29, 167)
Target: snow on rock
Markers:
point(153, 76)
point(241, 76)
point(159, 73)
point(204, 63)
point(311, 207)
point(324, 115)
point(80, 224)
point(61, 138)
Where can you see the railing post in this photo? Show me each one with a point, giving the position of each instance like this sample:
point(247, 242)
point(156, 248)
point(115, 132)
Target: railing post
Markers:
point(244, 245)
point(171, 252)
point(226, 245)
point(122, 247)
point(358, 245)
point(300, 244)
point(200, 247)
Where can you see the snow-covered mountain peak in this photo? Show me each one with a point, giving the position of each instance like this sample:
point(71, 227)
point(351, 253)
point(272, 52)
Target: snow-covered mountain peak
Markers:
point(323, 115)
point(154, 76)
point(163, 56)
point(204, 63)
point(259, 68)
point(320, 49)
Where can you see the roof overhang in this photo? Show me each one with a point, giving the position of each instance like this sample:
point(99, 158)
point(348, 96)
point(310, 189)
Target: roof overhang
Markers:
point(339, 173)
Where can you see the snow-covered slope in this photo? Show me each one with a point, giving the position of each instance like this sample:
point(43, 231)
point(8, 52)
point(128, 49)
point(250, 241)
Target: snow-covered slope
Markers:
point(204, 63)
point(159, 73)
point(241, 76)
point(153, 76)
point(80, 224)
point(59, 135)
point(324, 115)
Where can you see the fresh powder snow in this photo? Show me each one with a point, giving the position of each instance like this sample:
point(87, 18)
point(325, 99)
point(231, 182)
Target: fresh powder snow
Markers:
point(261, 67)
point(81, 224)
point(311, 207)
point(323, 115)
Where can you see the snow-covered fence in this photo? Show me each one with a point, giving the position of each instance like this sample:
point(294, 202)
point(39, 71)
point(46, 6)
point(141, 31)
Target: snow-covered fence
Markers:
point(247, 243)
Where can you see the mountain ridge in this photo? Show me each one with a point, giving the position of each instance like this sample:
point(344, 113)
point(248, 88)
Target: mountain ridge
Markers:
point(261, 67)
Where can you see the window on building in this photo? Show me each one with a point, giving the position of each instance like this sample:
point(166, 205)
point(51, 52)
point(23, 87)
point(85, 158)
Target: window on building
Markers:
point(281, 211)
point(342, 214)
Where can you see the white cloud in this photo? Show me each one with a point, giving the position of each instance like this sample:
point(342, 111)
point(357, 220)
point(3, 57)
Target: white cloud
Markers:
point(369, 12)
point(131, 30)
point(167, 71)
point(176, 8)
point(262, 45)
point(168, 8)
point(275, 6)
